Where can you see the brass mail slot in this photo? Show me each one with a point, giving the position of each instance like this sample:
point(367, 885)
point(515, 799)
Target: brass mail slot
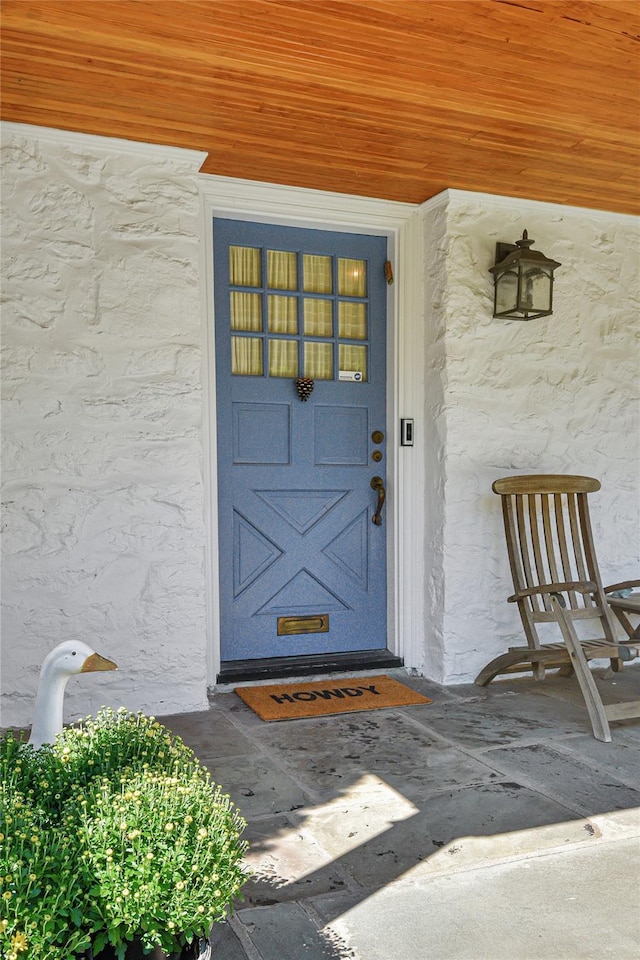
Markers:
point(289, 625)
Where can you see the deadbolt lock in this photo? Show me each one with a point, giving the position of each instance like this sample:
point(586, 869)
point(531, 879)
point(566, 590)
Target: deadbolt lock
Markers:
point(377, 436)
point(376, 456)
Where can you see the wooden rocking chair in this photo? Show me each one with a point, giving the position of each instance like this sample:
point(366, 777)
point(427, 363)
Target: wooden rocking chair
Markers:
point(556, 580)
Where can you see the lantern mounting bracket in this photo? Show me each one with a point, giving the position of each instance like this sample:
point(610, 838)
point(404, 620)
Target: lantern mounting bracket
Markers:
point(502, 249)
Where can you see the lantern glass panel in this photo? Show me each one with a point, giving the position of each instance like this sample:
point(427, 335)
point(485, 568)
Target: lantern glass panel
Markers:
point(507, 292)
point(535, 290)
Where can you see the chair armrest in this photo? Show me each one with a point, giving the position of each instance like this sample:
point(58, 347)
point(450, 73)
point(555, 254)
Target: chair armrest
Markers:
point(625, 585)
point(580, 586)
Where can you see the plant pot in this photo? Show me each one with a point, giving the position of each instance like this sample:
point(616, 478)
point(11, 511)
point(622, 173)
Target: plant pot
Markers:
point(200, 949)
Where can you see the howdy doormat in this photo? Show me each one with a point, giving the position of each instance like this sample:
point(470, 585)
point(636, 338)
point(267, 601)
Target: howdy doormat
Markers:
point(317, 698)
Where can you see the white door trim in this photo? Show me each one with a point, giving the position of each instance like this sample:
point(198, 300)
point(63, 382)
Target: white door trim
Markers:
point(402, 224)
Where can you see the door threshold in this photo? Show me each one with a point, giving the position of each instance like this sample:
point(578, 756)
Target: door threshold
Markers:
point(275, 668)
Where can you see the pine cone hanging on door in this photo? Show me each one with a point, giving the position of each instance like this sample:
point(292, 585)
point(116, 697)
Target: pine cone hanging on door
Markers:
point(304, 387)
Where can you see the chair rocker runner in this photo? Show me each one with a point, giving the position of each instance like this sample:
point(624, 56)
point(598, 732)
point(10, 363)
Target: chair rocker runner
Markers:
point(556, 580)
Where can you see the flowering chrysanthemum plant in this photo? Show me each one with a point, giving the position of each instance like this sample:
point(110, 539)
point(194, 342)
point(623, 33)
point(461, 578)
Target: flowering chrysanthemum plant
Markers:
point(163, 858)
point(42, 904)
point(129, 839)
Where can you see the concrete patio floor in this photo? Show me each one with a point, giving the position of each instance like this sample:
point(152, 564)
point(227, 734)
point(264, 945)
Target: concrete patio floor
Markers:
point(487, 825)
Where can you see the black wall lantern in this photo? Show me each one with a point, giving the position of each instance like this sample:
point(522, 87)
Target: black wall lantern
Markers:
point(523, 281)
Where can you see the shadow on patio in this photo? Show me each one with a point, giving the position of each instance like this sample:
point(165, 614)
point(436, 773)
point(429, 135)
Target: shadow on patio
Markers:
point(488, 824)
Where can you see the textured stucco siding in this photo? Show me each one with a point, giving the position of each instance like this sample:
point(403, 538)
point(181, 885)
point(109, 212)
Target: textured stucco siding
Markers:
point(104, 537)
point(554, 395)
point(104, 459)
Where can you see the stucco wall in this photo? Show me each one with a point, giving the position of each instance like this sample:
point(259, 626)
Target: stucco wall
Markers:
point(554, 395)
point(103, 348)
point(102, 464)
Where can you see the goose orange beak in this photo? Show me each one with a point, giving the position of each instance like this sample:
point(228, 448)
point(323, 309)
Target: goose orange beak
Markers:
point(96, 662)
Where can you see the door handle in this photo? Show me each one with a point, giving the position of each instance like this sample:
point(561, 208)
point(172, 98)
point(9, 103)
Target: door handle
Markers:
point(377, 483)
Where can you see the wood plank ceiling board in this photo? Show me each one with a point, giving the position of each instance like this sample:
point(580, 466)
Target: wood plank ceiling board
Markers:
point(397, 99)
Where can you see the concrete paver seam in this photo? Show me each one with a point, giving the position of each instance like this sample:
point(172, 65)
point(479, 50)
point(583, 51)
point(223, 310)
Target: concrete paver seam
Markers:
point(593, 765)
point(480, 753)
point(243, 938)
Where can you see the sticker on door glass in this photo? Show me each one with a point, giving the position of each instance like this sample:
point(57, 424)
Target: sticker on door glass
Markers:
point(350, 375)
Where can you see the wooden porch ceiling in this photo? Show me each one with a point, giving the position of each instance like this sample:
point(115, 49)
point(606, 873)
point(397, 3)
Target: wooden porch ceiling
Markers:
point(397, 99)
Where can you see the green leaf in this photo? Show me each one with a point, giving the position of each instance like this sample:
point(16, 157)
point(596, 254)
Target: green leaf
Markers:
point(100, 942)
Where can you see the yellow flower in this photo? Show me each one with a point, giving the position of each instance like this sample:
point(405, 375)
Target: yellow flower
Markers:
point(168, 827)
point(19, 942)
point(7, 895)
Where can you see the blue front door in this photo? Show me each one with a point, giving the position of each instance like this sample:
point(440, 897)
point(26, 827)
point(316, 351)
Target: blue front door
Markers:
point(300, 370)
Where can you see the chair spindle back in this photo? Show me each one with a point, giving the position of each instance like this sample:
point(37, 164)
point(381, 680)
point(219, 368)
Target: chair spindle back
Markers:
point(549, 542)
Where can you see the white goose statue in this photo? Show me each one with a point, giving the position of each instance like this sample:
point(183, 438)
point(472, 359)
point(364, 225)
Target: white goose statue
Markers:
point(62, 662)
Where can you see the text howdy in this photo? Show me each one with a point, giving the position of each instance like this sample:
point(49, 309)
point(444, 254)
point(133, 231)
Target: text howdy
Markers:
point(339, 693)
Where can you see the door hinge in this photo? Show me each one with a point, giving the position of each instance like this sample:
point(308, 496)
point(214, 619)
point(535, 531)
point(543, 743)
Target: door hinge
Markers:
point(388, 271)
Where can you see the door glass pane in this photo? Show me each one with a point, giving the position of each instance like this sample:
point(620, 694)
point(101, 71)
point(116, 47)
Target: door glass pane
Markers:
point(317, 318)
point(317, 274)
point(282, 270)
point(244, 266)
point(353, 359)
point(246, 356)
point(246, 311)
point(352, 278)
point(283, 314)
point(318, 360)
point(283, 358)
point(352, 320)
